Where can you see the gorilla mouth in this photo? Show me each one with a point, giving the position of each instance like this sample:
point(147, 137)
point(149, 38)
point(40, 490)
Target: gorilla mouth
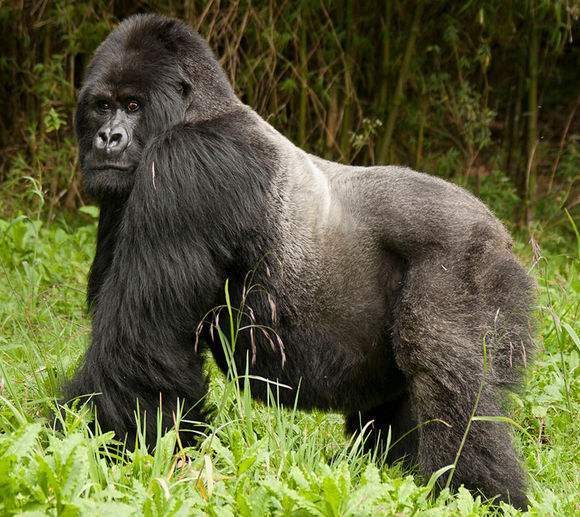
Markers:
point(111, 167)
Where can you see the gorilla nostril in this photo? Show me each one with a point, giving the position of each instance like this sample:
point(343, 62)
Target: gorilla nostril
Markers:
point(101, 140)
point(117, 140)
point(111, 140)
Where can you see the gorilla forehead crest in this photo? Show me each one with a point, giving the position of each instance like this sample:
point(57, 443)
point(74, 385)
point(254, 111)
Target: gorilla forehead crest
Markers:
point(149, 46)
point(377, 285)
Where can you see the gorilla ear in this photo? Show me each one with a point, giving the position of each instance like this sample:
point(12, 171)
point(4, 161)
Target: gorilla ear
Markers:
point(184, 89)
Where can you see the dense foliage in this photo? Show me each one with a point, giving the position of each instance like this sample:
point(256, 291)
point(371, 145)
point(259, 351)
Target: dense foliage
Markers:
point(255, 459)
point(484, 92)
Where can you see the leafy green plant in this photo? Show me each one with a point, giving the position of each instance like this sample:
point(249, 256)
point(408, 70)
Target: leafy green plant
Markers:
point(253, 458)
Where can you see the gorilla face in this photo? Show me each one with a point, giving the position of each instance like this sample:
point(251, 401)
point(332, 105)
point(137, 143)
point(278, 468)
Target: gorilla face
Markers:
point(140, 83)
point(119, 114)
point(112, 118)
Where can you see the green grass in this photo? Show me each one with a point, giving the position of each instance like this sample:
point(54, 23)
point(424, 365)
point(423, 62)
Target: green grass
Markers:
point(256, 459)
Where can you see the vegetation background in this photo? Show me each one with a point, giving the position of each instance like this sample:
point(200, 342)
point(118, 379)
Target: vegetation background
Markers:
point(483, 93)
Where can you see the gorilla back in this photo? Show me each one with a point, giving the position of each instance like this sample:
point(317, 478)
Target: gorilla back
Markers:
point(374, 290)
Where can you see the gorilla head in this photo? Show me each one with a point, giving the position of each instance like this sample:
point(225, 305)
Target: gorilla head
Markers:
point(147, 76)
point(377, 285)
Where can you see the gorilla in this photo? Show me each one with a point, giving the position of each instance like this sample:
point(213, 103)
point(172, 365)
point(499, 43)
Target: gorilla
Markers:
point(379, 292)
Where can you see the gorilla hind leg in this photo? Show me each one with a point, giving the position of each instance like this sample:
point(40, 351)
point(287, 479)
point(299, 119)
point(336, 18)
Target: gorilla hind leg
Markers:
point(443, 320)
point(396, 417)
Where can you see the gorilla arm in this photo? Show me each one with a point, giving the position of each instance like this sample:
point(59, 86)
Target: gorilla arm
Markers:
point(173, 244)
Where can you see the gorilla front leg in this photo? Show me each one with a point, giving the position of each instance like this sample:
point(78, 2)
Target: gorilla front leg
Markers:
point(173, 245)
point(146, 305)
point(141, 355)
point(132, 383)
point(439, 343)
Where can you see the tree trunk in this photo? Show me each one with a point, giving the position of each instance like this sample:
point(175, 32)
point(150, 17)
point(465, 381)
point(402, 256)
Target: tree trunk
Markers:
point(303, 101)
point(508, 133)
point(346, 126)
point(331, 124)
point(385, 143)
point(421, 132)
point(518, 174)
point(532, 136)
point(386, 55)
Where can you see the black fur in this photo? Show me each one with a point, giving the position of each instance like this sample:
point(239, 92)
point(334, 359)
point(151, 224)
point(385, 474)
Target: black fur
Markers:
point(378, 286)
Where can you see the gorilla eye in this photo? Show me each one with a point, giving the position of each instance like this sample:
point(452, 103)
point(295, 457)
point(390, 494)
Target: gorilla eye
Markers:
point(103, 105)
point(132, 106)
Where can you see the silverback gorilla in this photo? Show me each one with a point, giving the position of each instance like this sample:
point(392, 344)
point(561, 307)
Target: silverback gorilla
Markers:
point(379, 287)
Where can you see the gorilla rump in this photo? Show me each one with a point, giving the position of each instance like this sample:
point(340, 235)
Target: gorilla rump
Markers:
point(378, 285)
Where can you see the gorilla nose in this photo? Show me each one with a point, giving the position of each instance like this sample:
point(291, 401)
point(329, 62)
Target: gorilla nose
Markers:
point(112, 140)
